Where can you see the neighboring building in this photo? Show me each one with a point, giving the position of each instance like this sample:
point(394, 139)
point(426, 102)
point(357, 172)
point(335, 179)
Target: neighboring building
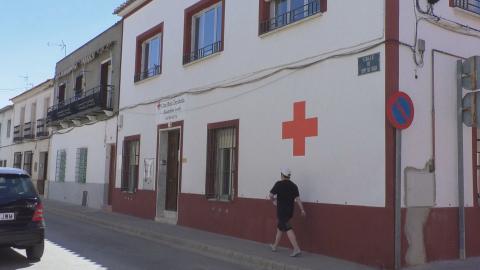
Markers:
point(6, 136)
point(218, 96)
point(30, 133)
point(84, 116)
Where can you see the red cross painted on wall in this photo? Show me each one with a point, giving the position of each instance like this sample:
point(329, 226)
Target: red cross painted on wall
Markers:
point(299, 129)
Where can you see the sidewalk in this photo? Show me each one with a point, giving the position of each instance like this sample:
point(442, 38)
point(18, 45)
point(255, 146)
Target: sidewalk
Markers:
point(244, 252)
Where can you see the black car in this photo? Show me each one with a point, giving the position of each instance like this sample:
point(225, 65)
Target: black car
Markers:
point(21, 213)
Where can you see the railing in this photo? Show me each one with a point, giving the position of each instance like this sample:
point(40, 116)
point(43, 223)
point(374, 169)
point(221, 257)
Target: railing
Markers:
point(155, 70)
point(98, 98)
point(289, 17)
point(27, 131)
point(203, 52)
point(17, 133)
point(469, 5)
point(42, 130)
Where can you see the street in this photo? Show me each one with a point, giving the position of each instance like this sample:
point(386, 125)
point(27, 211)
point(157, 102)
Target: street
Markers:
point(74, 245)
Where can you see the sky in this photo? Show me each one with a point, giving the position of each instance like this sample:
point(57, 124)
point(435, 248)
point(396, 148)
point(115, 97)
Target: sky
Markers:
point(27, 27)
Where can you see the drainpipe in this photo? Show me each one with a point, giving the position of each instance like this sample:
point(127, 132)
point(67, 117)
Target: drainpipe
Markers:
point(461, 195)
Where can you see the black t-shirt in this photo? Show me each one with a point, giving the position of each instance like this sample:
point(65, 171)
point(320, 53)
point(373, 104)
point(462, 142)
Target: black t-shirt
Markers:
point(286, 192)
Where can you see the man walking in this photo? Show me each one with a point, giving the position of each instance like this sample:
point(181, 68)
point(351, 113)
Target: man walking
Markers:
point(283, 194)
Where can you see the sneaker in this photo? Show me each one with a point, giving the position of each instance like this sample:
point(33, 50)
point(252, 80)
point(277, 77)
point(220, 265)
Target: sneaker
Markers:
point(274, 248)
point(296, 253)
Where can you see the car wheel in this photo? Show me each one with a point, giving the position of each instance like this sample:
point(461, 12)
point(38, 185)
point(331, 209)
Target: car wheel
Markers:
point(35, 253)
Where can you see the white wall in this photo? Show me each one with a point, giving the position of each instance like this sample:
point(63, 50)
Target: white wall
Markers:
point(417, 140)
point(6, 147)
point(244, 51)
point(95, 138)
point(27, 102)
point(343, 165)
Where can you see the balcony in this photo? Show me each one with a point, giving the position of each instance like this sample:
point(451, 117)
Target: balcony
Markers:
point(90, 102)
point(290, 17)
point(42, 130)
point(468, 5)
point(203, 52)
point(27, 131)
point(17, 134)
point(155, 70)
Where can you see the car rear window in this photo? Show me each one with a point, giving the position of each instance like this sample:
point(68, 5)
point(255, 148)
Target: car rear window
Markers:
point(12, 185)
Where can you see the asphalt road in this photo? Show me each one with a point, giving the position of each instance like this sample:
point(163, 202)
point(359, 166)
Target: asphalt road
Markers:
point(76, 245)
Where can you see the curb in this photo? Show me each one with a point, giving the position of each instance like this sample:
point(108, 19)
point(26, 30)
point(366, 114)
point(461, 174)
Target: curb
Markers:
point(184, 244)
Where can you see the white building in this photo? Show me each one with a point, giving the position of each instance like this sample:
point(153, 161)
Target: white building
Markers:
point(6, 136)
point(30, 132)
point(84, 116)
point(218, 96)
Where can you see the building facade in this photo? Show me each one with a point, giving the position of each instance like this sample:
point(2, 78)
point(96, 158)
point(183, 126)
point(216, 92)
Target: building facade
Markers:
point(84, 116)
point(31, 136)
point(6, 136)
point(218, 96)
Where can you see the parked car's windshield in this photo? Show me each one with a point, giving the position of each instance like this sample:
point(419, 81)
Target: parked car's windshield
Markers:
point(12, 185)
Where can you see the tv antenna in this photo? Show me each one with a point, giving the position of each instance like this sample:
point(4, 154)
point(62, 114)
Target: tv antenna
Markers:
point(28, 84)
point(61, 45)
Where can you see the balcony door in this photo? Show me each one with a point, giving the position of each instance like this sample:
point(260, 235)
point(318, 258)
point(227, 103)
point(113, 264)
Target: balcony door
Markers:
point(61, 93)
point(105, 81)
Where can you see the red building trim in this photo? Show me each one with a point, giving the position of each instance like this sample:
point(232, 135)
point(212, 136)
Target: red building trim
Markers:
point(142, 38)
point(192, 10)
point(392, 75)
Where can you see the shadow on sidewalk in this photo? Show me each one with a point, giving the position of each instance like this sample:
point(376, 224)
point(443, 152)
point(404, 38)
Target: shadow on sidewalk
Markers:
point(11, 259)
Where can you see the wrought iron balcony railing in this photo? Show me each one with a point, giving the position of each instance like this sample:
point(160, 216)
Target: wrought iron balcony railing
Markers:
point(94, 100)
point(27, 131)
point(42, 130)
point(290, 17)
point(469, 5)
point(155, 70)
point(17, 133)
point(203, 52)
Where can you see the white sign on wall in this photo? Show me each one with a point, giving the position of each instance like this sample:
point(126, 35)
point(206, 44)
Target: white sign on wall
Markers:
point(171, 110)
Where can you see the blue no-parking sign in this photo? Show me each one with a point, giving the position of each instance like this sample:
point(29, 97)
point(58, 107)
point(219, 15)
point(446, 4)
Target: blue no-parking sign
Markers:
point(400, 110)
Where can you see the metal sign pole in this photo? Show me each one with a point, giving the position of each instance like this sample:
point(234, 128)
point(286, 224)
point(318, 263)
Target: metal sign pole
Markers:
point(461, 206)
point(398, 194)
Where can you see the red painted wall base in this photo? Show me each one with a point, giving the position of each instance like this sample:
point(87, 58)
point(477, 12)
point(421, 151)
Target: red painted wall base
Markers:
point(140, 204)
point(355, 233)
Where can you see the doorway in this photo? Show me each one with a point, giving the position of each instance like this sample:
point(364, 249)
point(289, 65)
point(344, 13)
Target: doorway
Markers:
point(168, 177)
point(42, 172)
point(111, 173)
point(105, 82)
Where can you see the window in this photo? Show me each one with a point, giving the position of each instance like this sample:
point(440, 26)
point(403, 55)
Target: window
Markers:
point(203, 30)
point(17, 160)
point(61, 165)
point(81, 165)
point(149, 53)
point(27, 162)
point(222, 156)
point(278, 13)
point(9, 127)
point(78, 85)
point(0, 132)
point(131, 162)
point(469, 5)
